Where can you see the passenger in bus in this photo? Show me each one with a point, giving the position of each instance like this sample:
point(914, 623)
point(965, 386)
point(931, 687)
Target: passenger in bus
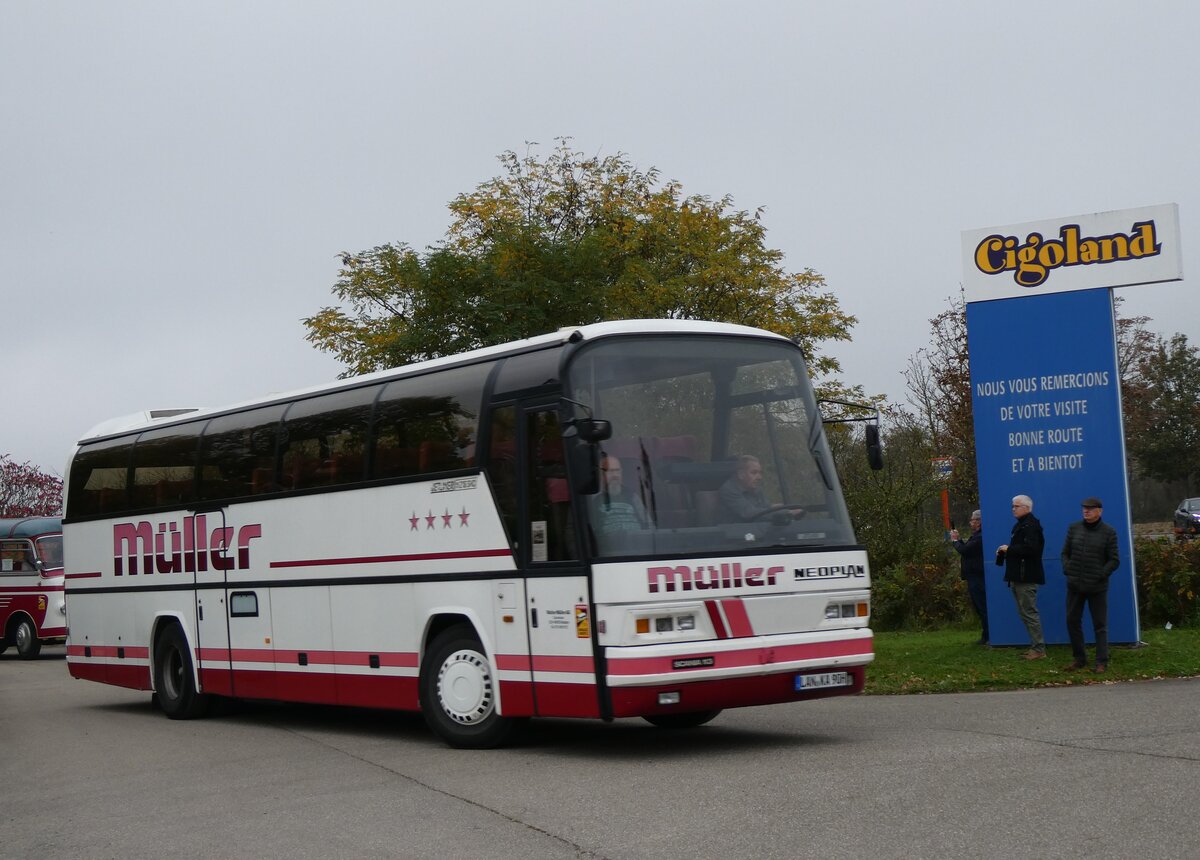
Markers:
point(615, 509)
point(741, 498)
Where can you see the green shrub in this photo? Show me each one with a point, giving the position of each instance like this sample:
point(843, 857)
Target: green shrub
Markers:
point(916, 596)
point(1168, 581)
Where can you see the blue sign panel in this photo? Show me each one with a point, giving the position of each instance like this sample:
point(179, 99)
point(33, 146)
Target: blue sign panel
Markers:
point(1046, 397)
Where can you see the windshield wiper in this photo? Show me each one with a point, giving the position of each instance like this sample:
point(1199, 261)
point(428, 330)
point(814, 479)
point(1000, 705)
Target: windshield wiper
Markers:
point(646, 482)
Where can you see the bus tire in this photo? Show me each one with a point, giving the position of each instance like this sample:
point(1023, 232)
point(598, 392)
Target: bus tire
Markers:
point(25, 637)
point(174, 678)
point(458, 692)
point(682, 721)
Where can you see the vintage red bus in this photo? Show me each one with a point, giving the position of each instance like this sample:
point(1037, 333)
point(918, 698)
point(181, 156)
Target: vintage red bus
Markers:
point(31, 584)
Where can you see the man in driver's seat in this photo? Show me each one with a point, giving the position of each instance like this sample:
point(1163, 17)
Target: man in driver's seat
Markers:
point(742, 499)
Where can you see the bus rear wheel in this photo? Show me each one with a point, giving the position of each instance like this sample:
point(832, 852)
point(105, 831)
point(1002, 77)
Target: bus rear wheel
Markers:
point(174, 679)
point(682, 721)
point(26, 639)
point(458, 692)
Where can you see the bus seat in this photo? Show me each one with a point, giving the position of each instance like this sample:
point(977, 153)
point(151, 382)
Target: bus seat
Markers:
point(262, 480)
point(435, 456)
point(350, 466)
point(556, 489)
point(707, 503)
point(677, 448)
point(628, 448)
point(168, 492)
point(673, 518)
point(392, 462)
point(329, 472)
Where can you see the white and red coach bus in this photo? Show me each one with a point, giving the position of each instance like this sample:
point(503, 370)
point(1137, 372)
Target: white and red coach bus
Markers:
point(31, 584)
point(435, 537)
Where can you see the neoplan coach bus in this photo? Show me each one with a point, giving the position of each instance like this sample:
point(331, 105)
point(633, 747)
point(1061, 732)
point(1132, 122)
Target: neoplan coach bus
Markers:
point(435, 537)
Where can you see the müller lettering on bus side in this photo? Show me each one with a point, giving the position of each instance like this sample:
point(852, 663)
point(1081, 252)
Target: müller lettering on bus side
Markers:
point(190, 550)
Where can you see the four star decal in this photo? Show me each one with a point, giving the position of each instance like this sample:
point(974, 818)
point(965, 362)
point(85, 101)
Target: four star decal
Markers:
point(431, 518)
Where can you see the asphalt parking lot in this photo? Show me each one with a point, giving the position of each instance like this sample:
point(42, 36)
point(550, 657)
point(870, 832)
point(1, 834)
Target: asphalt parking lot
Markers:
point(1105, 770)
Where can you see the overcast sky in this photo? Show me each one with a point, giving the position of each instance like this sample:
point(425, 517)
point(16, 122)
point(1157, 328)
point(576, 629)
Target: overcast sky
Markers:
point(177, 179)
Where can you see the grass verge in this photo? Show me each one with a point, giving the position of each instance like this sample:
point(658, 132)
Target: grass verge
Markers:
point(949, 661)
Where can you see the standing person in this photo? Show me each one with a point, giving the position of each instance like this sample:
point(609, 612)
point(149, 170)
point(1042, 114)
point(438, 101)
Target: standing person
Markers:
point(1023, 571)
point(1089, 556)
point(971, 551)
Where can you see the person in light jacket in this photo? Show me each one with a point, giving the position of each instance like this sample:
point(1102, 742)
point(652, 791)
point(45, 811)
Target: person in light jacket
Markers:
point(1023, 571)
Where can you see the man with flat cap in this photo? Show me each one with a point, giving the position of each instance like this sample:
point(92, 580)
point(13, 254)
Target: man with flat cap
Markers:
point(1089, 556)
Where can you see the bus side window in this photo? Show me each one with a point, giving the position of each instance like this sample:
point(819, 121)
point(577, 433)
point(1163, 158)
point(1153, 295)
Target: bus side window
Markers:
point(16, 557)
point(324, 439)
point(549, 500)
point(427, 424)
point(164, 467)
point(233, 448)
point(502, 468)
point(99, 479)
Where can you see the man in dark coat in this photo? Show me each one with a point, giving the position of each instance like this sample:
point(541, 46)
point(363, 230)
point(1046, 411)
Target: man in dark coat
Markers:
point(971, 551)
point(1023, 571)
point(1089, 556)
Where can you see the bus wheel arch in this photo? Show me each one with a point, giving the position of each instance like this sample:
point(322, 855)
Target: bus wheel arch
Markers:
point(458, 689)
point(174, 673)
point(22, 633)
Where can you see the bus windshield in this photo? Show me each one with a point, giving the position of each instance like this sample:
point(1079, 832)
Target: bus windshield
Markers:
point(716, 447)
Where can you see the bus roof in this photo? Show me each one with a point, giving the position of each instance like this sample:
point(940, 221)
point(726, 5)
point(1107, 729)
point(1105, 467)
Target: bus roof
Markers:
point(578, 334)
point(30, 527)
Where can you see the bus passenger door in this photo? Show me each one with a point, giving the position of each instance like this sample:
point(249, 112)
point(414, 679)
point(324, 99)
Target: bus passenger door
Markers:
point(234, 624)
point(558, 605)
point(207, 557)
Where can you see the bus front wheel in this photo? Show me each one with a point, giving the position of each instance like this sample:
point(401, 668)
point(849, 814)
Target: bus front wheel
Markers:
point(682, 721)
point(26, 639)
point(174, 679)
point(458, 692)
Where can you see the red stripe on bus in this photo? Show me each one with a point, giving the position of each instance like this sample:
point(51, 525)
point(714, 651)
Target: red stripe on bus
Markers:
point(132, 652)
point(551, 663)
point(512, 662)
point(739, 621)
point(714, 615)
point(386, 559)
point(28, 589)
point(628, 666)
point(396, 659)
point(583, 665)
point(91, 574)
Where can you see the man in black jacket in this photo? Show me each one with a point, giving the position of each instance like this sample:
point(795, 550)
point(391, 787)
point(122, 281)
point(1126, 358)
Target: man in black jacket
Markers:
point(971, 551)
point(1023, 571)
point(1089, 556)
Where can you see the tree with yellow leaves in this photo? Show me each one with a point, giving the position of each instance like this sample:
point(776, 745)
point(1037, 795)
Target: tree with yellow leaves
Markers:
point(568, 240)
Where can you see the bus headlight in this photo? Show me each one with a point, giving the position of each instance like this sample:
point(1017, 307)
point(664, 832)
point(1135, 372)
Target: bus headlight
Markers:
point(835, 611)
point(666, 623)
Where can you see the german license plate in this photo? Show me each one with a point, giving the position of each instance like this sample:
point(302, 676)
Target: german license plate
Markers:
point(823, 680)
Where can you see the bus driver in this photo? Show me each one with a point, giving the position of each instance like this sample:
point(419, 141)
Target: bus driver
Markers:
point(742, 498)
